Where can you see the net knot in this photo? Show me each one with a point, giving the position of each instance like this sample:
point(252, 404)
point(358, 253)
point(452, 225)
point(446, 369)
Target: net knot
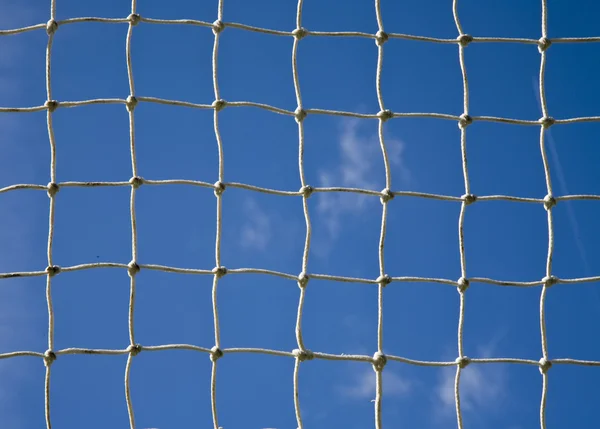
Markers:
point(218, 26)
point(52, 270)
point(134, 19)
point(549, 281)
point(464, 40)
point(136, 181)
point(299, 114)
point(134, 349)
point(381, 37)
point(464, 121)
point(300, 33)
point(51, 105)
point(133, 268)
point(549, 201)
point(219, 271)
point(52, 189)
point(49, 357)
point(379, 361)
point(386, 195)
point(462, 361)
point(384, 280)
point(306, 191)
point(219, 188)
point(131, 102)
point(303, 355)
point(462, 284)
point(219, 105)
point(384, 115)
point(543, 44)
point(51, 27)
point(303, 280)
point(547, 121)
point(545, 365)
point(469, 199)
point(215, 354)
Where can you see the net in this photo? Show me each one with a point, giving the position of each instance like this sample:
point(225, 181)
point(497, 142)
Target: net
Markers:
point(383, 278)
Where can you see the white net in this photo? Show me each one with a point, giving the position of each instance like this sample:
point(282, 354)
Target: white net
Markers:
point(383, 278)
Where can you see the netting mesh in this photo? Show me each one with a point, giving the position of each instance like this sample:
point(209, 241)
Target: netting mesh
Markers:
point(382, 279)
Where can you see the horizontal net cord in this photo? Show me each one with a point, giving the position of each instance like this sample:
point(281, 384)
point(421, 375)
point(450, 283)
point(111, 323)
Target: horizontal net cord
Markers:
point(293, 354)
point(220, 104)
point(301, 192)
point(55, 270)
point(239, 26)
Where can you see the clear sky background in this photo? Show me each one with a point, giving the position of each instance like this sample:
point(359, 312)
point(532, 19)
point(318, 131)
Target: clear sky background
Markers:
point(176, 224)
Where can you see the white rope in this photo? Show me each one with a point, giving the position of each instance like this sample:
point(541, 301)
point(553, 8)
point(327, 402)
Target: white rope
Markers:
point(465, 120)
point(135, 182)
point(302, 353)
point(52, 189)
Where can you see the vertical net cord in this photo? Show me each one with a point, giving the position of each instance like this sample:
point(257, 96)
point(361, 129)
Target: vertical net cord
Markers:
point(49, 355)
point(379, 359)
point(465, 120)
point(133, 267)
point(219, 187)
point(301, 353)
point(549, 202)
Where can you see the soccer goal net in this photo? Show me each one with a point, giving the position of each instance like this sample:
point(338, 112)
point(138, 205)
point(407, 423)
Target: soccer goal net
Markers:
point(343, 198)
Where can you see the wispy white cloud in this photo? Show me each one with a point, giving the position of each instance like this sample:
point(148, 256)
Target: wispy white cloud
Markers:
point(480, 388)
point(256, 230)
point(268, 231)
point(360, 166)
point(362, 385)
point(477, 388)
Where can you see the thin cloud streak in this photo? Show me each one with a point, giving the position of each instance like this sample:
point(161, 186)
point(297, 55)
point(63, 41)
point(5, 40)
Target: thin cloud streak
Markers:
point(564, 188)
point(557, 167)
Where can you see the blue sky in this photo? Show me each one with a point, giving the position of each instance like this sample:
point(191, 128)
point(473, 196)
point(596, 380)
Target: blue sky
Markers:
point(176, 223)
